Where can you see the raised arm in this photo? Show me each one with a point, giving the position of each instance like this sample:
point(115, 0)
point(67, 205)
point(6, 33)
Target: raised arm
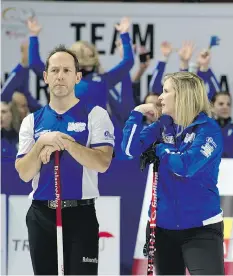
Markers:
point(157, 76)
point(35, 62)
point(204, 72)
point(120, 97)
point(143, 65)
point(116, 74)
point(185, 54)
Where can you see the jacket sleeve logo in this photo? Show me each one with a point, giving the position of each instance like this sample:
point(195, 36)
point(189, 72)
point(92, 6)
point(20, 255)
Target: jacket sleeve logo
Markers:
point(209, 147)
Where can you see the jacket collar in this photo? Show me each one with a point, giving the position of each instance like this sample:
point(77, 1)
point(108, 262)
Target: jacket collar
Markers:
point(201, 118)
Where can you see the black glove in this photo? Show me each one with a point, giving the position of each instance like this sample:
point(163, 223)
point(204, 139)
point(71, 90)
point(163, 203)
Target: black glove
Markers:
point(148, 157)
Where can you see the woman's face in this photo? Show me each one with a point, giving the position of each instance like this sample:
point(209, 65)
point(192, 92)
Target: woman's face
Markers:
point(222, 107)
point(167, 99)
point(88, 54)
point(6, 116)
point(21, 103)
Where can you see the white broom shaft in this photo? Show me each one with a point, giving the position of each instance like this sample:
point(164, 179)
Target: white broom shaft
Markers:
point(60, 258)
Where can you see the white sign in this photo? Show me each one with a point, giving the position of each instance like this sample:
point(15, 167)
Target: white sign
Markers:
point(3, 234)
point(108, 214)
point(224, 180)
point(94, 22)
point(19, 261)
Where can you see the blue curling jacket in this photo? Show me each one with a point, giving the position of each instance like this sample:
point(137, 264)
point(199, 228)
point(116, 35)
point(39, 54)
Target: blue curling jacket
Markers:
point(18, 80)
point(188, 172)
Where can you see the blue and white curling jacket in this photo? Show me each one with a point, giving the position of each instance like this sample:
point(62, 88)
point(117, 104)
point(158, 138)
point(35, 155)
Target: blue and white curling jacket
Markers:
point(188, 172)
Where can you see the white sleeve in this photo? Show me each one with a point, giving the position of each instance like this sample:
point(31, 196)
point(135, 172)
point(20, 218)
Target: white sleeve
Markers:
point(102, 130)
point(26, 137)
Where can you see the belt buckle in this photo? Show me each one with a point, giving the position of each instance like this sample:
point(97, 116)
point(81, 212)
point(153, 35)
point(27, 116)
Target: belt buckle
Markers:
point(52, 204)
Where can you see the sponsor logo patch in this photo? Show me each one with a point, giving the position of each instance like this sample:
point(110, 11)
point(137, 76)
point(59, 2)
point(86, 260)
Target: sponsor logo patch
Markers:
point(77, 127)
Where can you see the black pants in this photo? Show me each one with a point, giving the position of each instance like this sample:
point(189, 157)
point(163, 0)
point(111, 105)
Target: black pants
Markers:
point(80, 239)
point(199, 249)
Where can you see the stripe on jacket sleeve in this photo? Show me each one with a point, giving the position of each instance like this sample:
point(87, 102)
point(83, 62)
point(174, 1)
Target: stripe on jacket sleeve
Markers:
point(130, 140)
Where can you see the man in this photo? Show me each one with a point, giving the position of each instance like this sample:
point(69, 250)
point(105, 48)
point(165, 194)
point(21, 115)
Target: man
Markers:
point(84, 136)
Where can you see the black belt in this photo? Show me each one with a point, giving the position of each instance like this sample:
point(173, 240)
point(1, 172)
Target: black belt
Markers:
point(66, 203)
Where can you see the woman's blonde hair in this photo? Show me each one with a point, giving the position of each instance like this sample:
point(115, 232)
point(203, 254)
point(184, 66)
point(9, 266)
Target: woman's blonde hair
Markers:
point(191, 97)
point(87, 55)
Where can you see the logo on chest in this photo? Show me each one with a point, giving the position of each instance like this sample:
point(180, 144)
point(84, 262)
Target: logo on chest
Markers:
point(189, 137)
point(77, 127)
point(169, 139)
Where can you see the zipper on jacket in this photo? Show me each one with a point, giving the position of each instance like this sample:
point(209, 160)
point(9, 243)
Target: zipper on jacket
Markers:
point(176, 202)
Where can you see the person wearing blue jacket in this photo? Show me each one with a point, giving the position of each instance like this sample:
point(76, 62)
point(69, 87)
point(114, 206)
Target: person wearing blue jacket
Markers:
point(18, 81)
point(9, 136)
point(189, 231)
point(185, 54)
point(222, 102)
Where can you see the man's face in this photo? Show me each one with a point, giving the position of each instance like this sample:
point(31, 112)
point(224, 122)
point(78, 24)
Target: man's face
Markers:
point(222, 106)
point(6, 116)
point(61, 75)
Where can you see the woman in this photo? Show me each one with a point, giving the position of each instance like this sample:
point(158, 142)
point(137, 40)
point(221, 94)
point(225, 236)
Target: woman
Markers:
point(9, 135)
point(222, 111)
point(189, 229)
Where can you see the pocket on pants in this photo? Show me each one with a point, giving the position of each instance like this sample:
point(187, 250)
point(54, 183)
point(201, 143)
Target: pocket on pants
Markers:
point(28, 215)
point(92, 211)
point(216, 228)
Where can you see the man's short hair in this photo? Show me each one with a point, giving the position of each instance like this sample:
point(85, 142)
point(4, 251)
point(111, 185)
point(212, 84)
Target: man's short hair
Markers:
point(59, 49)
